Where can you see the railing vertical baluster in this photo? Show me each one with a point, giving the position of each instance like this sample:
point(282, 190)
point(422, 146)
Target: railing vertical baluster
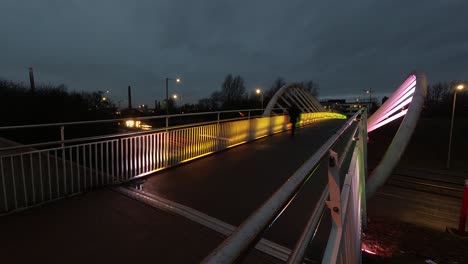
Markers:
point(72, 178)
point(179, 145)
point(130, 159)
point(156, 151)
point(33, 187)
point(198, 141)
point(90, 159)
point(64, 169)
point(164, 149)
point(5, 195)
point(162, 144)
point(124, 151)
point(214, 135)
point(41, 179)
point(167, 149)
point(143, 151)
point(14, 181)
point(102, 162)
point(123, 165)
point(24, 180)
point(143, 154)
point(96, 165)
point(78, 176)
point(114, 160)
point(49, 174)
point(159, 150)
point(107, 157)
point(84, 168)
point(149, 142)
point(149, 152)
point(57, 179)
point(138, 154)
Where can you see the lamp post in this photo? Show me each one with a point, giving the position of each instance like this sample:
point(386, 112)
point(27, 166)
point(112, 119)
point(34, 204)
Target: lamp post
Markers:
point(259, 92)
point(459, 88)
point(167, 92)
point(370, 91)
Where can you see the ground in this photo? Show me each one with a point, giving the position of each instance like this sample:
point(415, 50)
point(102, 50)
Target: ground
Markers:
point(395, 232)
point(395, 241)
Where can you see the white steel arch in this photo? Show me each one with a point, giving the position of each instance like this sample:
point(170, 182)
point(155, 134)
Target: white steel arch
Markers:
point(406, 101)
point(293, 94)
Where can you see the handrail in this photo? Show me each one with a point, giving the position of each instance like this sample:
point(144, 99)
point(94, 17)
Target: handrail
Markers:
point(118, 135)
point(121, 119)
point(299, 250)
point(250, 229)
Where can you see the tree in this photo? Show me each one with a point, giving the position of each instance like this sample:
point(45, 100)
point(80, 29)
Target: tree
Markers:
point(232, 92)
point(437, 92)
point(277, 84)
point(312, 87)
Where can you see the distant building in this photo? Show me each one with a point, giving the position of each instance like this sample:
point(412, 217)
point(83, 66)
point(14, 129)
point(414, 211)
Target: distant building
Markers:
point(346, 108)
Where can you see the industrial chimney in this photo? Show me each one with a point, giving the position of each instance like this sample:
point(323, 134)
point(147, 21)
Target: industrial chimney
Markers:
point(129, 97)
point(31, 80)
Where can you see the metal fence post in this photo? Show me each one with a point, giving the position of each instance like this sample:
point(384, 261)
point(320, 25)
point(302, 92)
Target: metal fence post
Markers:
point(62, 135)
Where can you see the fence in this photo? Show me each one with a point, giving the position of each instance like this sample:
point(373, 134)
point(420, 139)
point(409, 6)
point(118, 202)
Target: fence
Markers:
point(67, 167)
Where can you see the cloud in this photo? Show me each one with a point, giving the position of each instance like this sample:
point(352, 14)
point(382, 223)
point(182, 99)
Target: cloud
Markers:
point(345, 46)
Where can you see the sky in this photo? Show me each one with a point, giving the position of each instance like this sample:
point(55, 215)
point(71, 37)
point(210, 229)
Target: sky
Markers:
point(345, 46)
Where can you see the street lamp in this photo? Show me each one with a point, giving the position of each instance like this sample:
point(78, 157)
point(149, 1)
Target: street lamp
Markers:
point(370, 94)
point(259, 92)
point(458, 88)
point(176, 96)
point(177, 80)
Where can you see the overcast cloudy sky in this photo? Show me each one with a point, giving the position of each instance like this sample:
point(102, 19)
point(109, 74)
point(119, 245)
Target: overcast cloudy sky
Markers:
point(345, 46)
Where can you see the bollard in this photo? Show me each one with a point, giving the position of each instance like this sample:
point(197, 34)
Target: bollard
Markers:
point(464, 209)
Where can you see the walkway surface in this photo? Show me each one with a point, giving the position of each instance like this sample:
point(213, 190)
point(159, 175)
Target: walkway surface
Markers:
point(107, 226)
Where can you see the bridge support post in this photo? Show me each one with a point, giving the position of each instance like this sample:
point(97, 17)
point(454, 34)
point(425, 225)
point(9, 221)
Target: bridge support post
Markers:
point(362, 160)
point(167, 123)
point(62, 135)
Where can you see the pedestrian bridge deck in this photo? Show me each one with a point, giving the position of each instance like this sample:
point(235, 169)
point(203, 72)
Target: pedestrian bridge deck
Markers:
point(107, 226)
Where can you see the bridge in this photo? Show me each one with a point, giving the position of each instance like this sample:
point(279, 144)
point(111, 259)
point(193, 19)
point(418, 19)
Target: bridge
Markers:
point(207, 187)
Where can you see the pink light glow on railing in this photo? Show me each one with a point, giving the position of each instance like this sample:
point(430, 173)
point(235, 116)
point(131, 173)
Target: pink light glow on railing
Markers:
point(397, 101)
point(388, 120)
point(395, 109)
point(399, 96)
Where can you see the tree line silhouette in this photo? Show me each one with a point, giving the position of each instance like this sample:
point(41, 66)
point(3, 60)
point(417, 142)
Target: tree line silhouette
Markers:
point(53, 103)
point(233, 94)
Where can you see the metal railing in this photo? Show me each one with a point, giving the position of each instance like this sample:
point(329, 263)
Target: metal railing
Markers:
point(346, 204)
point(62, 168)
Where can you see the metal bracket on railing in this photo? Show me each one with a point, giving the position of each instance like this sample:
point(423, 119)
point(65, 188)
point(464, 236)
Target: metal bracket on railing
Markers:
point(334, 186)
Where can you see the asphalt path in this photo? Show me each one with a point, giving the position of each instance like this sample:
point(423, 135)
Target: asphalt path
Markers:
point(106, 226)
point(231, 184)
